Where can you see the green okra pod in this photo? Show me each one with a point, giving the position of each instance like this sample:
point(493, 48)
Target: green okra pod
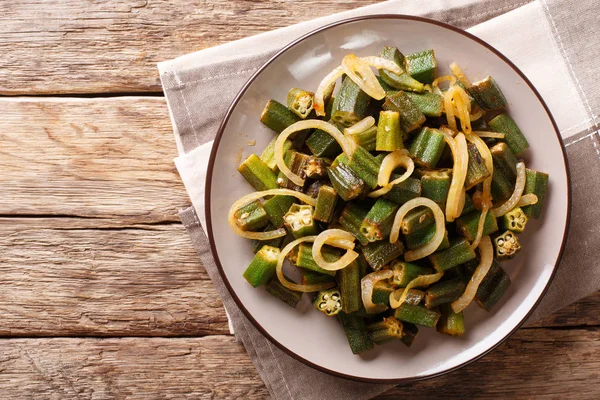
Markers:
point(536, 183)
point(366, 139)
point(421, 66)
point(381, 293)
point(305, 259)
point(322, 144)
point(422, 237)
point(329, 302)
point(515, 220)
point(347, 184)
point(505, 171)
point(251, 217)
point(403, 81)
point(513, 136)
point(356, 332)
point(405, 272)
point(467, 225)
point(469, 205)
point(378, 222)
point(263, 265)
point(417, 220)
point(477, 171)
point(365, 166)
point(379, 254)
point(299, 221)
point(404, 191)
point(430, 104)
point(288, 296)
point(315, 167)
point(417, 315)
point(414, 297)
point(300, 102)
point(488, 95)
point(311, 277)
point(326, 202)
point(351, 104)
point(458, 253)
point(411, 117)
point(495, 283)
point(385, 331)
point(427, 147)
point(258, 174)
point(277, 116)
point(444, 292)
point(277, 207)
point(389, 135)
point(451, 323)
point(256, 245)
point(409, 333)
point(435, 185)
point(268, 155)
point(349, 284)
point(351, 219)
point(507, 246)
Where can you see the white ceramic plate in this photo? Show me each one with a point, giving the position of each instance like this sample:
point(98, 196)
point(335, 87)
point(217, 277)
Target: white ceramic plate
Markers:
point(307, 334)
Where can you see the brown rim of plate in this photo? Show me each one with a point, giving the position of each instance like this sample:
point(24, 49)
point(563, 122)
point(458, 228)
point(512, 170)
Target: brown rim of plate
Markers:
point(215, 147)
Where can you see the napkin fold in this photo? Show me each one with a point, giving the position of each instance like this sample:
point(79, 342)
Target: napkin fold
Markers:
point(552, 42)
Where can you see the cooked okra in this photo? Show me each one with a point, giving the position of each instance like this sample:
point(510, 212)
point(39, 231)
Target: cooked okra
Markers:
point(421, 65)
point(262, 267)
point(277, 116)
point(514, 220)
point(329, 302)
point(507, 246)
point(536, 183)
point(251, 217)
point(427, 147)
point(300, 102)
point(488, 95)
point(389, 135)
point(258, 174)
point(385, 331)
point(459, 252)
point(400, 82)
point(379, 254)
point(299, 221)
point(326, 201)
point(378, 222)
point(384, 192)
point(411, 117)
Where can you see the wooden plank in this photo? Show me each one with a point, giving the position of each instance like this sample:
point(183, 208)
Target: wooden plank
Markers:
point(540, 363)
point(113, 46)
point(73, 277)
point(98, 158)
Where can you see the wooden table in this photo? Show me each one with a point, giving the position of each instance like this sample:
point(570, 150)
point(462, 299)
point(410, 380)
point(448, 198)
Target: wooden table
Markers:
point(102, 295)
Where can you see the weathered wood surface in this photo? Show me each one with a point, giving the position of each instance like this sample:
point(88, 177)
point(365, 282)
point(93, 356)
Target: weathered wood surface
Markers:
point(81, 277)
point(97, 158)
point(553, 364)
point(113, 46)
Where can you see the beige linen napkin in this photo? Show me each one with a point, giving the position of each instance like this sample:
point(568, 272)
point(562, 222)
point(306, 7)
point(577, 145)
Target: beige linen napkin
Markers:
point(552, 42)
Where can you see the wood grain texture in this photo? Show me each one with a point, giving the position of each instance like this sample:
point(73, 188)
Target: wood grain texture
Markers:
point(113, 46)
point(540, 363)
point(97, 158)
point(76, 277)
